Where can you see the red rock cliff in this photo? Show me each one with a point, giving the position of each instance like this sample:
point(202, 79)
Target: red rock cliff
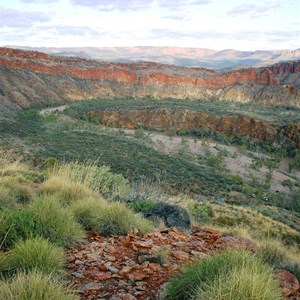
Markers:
point(31, 77)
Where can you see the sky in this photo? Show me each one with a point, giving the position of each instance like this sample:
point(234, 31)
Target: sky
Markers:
point(214, 24)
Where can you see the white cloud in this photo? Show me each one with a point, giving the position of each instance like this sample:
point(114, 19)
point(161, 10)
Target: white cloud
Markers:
point(213, 24)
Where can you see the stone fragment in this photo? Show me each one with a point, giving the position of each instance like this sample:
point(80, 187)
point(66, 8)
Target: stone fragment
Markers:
point(288, 282)
point(101, 275)
point(125, 270)
point(181, 255)
point(113, 269)
point(238, 243)
point(137, 276)
point(144, 244)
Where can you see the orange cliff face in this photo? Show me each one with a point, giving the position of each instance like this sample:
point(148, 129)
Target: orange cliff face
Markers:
point(31, 74)
point(42, 63)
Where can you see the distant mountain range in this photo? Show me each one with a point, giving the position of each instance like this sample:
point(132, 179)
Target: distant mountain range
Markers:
point(187, 57)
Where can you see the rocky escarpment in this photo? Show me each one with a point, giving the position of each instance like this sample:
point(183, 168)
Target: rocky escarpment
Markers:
point(181, 119)
point(28, 78)
point(292, 131)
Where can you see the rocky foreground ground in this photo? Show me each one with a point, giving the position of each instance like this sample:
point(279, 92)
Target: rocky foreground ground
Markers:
point(137, 267)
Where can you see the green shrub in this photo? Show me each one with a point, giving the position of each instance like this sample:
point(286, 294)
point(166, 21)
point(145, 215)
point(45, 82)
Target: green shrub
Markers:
point(65, 191)
point(295, 205)
point(35, 286)
point(225, 221)
point(50, 162)
point(15, 225)
point(87, 212)
point(251, 282)
point(13, 192)
point(99, 179)
point(288, 183)
point(44, 217)
point(271, 251)
point(7, 200)
point(117, 219)
point(294, 164)
point(108, 217)
point(36, 253)
point(142, 206)
point(203, 279)
point(55, 222)
point(201, 212)
point(274, 253)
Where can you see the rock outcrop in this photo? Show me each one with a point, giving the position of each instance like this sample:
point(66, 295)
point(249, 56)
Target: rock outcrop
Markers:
point(180, 119)
point(138, 267)
point(28, 78)
point(193, 121)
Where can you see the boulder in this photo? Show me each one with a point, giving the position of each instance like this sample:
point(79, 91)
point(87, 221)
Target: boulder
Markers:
point(287, 281)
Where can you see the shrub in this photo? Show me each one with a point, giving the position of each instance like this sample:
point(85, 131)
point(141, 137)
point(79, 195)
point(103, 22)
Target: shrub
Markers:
point(13, 192)
point(251, 282)
point(44, 217)
point(226, 221)
point(99, 179)
point(173, 215)
point(55, 222)
point(203, 279)
point(201, 212)
point(142, 206)
point(288, 183)
point(295, 205)
point(34, 286)
point(65, 191)
point(294, 164)
point(271, 251)
point(87, 212)
point(7, 200)
point(36, 253)
point(15, 225)
point(279, 256)
point(117, 219)
point(108, 217)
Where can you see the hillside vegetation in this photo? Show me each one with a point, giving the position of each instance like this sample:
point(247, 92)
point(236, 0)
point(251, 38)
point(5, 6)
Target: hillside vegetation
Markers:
point(64, 177)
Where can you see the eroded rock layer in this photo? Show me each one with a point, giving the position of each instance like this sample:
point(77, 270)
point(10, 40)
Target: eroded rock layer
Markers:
point(28, 78)
point(179, 119)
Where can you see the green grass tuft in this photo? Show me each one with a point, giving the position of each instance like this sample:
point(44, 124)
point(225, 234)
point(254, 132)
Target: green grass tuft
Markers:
point(35, 286)
point(201, 280)
point(99, 179)
point(109, 217)
point(55, 222)
point(44, 217)
point(65, 191)
point(87, 212)
point(118, 219)
point(34, 254)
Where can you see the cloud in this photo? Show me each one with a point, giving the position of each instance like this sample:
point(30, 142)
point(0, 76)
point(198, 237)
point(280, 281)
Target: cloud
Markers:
point(177, 17)
point(163, 33)
point(15, 18)
point(119, 4)
point(134, 4)
point(170, 3)
point(253, 9)
point(39, 1)
point(77, 31)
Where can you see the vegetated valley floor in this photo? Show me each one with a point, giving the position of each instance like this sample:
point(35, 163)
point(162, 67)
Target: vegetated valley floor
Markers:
point(200, 166)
